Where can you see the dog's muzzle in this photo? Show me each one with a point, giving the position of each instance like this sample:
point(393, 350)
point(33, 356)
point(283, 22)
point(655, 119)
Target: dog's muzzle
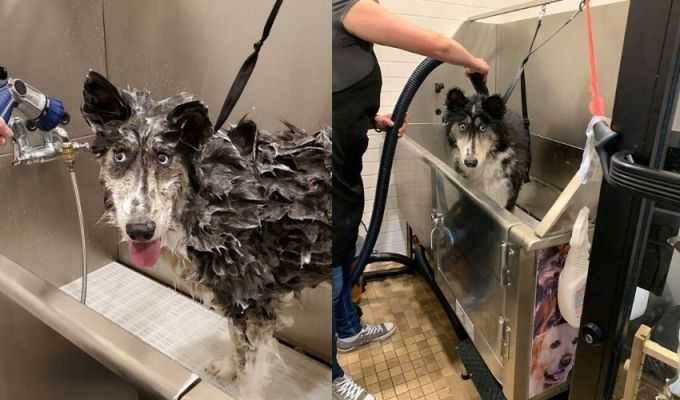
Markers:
point(141, 231)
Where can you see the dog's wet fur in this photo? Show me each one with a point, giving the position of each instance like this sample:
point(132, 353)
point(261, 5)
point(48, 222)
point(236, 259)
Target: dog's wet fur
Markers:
point(245, 212)
point(490, 145)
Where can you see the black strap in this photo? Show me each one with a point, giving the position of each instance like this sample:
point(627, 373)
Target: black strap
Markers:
point(525, 106)
point(525, 118)
point(520, 74)
point(246, 70)
point(534, 49)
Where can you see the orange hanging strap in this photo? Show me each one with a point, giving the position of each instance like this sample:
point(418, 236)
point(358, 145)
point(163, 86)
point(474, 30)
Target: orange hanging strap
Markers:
point(596, 101)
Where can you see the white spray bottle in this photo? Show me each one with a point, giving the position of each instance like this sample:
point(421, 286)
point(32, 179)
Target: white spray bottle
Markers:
point(572, 283)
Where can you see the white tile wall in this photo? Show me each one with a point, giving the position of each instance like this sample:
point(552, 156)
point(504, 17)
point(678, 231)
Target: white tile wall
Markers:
point(444, 16)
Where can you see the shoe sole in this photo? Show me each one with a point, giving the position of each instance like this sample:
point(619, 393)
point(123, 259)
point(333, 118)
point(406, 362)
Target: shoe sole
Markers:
point(378, 339)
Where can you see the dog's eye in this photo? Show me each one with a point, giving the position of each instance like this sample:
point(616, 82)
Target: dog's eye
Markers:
point(555, 344)
point(462, 126)
point(163, 159)
point(119, 156)
point(574, 341)
point(482, 128)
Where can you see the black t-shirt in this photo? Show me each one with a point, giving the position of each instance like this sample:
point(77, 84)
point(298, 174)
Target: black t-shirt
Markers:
point(353, 58)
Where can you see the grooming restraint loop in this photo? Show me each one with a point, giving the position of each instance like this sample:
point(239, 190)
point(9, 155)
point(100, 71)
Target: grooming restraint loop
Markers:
point(241, 80)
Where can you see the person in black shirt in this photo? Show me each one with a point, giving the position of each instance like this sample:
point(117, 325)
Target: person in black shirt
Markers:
point(357, 81)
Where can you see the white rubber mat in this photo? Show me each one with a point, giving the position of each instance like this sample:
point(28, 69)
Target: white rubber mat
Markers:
point(186, 331)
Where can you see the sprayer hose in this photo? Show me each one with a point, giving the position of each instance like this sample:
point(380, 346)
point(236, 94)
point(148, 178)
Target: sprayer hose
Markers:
point(385, 170)
point(83, 243)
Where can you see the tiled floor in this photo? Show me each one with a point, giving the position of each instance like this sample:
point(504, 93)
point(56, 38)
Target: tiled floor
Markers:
point(419, 361)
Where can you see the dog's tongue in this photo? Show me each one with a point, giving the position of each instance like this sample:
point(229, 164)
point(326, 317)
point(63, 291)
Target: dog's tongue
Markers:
point(145, 254)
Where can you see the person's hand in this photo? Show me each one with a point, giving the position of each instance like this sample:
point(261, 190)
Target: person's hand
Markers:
point(478, 65)
point(5, 132)
point(384, 122)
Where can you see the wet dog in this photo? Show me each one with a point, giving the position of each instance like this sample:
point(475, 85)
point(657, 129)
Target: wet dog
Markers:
point(490, 145)
point(244, 212)
point(553, 358)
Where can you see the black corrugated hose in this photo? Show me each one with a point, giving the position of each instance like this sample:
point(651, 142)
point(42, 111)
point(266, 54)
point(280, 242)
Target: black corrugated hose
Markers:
point(389, 148)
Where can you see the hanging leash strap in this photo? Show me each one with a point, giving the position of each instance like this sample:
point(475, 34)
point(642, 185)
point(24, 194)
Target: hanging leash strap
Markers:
point(525, 105)
point(523, 79)
point(596, 101)
point(518, 76)
point(246, 70)
point(592, 150)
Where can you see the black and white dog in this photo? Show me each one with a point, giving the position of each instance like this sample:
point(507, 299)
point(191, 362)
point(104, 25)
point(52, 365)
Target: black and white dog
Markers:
point(245, 212)
point(490, 145)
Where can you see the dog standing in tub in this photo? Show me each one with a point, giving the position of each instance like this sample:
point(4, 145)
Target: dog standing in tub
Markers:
point(490, 145)
point(244, 212)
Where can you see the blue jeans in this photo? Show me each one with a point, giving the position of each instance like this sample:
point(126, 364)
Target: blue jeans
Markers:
point(346, 321)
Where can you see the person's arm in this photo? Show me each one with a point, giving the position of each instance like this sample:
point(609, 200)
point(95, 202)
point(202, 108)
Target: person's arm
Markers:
point(373, 23)
point(5, 132)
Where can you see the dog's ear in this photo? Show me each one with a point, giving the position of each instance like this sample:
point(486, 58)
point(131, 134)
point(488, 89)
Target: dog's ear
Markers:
point(456, 100)
point(494, 106)
point(104, 107)
point(191, 121)
point(243, 135)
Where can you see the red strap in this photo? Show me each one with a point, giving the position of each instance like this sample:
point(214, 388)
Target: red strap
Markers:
point(596, 100)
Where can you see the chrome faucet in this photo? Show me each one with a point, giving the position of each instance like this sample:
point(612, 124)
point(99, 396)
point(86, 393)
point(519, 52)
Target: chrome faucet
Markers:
point(40, 147)
point(37, 113)
point(48, 148)
point(39, 138)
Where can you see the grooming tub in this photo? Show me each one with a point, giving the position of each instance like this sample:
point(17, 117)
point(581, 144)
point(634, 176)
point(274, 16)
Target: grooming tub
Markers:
point(498, 273)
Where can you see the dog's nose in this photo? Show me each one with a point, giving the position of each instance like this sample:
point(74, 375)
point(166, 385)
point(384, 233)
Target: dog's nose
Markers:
point(470, 163)
point(565, 361)
point(141, 231)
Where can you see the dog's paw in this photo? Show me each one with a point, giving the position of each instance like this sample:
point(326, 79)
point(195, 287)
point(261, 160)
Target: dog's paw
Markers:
point(224, 369)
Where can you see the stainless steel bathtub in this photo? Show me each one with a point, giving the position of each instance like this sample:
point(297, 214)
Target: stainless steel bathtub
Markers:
point(130, 356)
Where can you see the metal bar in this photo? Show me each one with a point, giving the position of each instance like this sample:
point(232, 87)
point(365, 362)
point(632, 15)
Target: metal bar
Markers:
point(204, 391)
point(645, 98)
point(512, 9)
point(103, 340)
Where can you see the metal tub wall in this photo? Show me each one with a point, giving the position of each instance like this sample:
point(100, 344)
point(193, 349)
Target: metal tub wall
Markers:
point(557, 106)
point(488, 296)
point(51, 45)
point(558, 77)
point(469, 275)
point(166, 46)
point(154, 374)
point(479, 39)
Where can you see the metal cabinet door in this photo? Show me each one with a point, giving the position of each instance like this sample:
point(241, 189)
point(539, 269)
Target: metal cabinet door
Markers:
point(470, 271)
